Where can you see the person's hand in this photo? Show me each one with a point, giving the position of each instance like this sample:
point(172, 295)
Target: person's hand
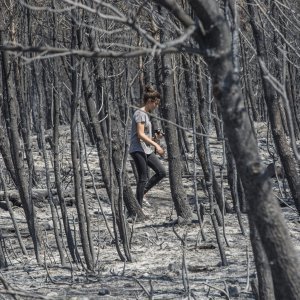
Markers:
point(159, 134)
point(159, 150)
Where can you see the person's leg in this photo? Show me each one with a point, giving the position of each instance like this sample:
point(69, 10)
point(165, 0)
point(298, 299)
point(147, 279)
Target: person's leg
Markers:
point(140, 161)
point(160, 171)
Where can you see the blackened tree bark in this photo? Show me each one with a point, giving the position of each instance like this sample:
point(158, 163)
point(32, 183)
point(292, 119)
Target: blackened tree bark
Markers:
point(266, 212)
point(201, 126)
point(205, 153)
point(233, 184)
point(164, 79)
point(179, 196)
point(182, 118)
point(12, 214)
point(263, 269)
point(10, 111)
point(101, 137)
point(22, 89)
point(214, 35)
point(48, 90)
point(56, 112)
point(249, 93)
point(5, 152)
point(76, 158)
point(164, 76)
point(41, 133)
point(274, 111)
point(3, 261)
point(111, 177)
point(200, 113)
point(291, 93)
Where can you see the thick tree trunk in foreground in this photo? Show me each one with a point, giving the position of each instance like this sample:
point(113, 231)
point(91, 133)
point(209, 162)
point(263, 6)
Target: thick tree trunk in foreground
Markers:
point(283, 259)
point(282, 256)
point(264, 275)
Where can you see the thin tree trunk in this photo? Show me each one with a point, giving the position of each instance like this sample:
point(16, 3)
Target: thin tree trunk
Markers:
point(3, 261)
point(46, 162)
point(6, 155)
point(179, 196)
point(56, 150)
point(212, 202)
point(12, 214)
point(252, 107)
point(201, 124)
point(76, 158)
point(100, 135)
point(11, 116)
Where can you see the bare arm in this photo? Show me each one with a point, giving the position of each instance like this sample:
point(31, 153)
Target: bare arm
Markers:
point(141, 135)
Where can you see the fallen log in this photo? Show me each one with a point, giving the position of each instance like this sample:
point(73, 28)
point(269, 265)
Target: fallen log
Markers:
point(39, 197)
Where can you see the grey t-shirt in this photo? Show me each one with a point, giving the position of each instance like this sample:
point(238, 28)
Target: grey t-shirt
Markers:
point(137, 144)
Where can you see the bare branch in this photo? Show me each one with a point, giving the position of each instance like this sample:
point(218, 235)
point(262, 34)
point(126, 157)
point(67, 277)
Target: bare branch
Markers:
point(281, 90)
point(276, 29)
point(48, 52)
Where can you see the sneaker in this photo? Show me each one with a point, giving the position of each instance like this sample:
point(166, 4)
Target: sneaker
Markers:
point(136, 220)
point(131, 220)
point(145, 202)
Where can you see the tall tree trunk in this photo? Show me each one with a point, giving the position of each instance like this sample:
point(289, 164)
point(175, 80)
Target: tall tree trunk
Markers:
point(233, 184)
point(283, 259)
point(201, 126)
point(291, 93)
point(11, 116)
point(55, 99)
point(76, 157)
point(41, 133)
point(6, 155)
point(3, 261)
point(179, 196)
point(101, 136)
point(249, 94)
point(264, 275)
point(165, 82)
point(274, 111)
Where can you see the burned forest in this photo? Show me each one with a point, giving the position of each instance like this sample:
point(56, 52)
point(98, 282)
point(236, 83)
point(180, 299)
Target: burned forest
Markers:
point(224, 223)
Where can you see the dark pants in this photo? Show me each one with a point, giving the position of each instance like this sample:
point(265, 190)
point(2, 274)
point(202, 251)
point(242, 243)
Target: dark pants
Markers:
point(142, 161)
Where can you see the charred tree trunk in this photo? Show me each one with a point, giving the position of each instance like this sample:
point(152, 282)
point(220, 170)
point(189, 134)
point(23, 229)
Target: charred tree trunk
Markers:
point(264, 275)
point(249, 93)
point(55, 99)
point(178, 193)
point(273, 232)
point(3, 261)
point(179, 197)
point(233, 184)
point(101, 140)
point(11, 117)
point(76, 157)
point(41, 121)
point(6, 155)
point(274, 111)
point(201, 126)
